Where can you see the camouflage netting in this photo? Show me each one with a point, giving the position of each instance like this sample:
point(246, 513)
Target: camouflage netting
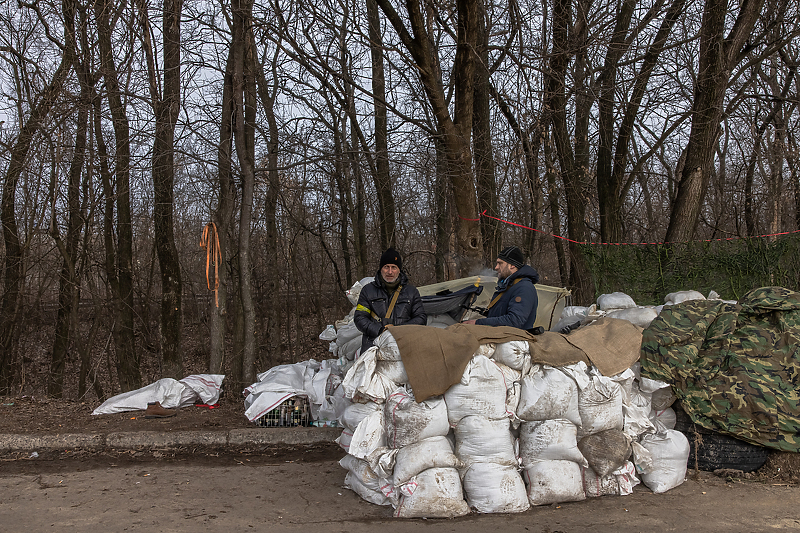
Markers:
point(735, 367)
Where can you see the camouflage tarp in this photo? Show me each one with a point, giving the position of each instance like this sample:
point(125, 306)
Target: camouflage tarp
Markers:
point(735, 367)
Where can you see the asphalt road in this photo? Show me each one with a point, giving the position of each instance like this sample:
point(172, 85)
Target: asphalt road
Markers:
point(304, 492)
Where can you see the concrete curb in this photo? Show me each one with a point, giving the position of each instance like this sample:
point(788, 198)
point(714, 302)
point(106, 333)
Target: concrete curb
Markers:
point(135, 440)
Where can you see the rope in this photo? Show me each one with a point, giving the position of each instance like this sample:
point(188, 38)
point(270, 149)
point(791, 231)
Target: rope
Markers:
point(483, 214)
point(210, 241)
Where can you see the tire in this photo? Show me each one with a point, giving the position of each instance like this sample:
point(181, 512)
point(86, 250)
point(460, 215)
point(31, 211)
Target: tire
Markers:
point(709, 450)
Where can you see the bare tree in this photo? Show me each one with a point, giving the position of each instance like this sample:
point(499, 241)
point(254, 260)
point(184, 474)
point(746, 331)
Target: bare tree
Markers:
point(165, 97)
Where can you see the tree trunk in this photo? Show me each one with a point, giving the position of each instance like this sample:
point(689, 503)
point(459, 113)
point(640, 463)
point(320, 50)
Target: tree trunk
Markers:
point(272, 321)
point(166, 107)
point(455, 131)
point(383, 183)
point(580, 280)
point(222, 218)
point(14, 252)
point(244, 140)
point(718, 55)
point(128, 371)
point(482, 143)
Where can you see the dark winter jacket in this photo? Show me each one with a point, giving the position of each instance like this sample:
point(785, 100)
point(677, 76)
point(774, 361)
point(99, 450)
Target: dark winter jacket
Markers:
point(518, 301)
point(376, 297)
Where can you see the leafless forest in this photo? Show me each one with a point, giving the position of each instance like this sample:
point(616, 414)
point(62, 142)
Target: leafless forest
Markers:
point(270, 151)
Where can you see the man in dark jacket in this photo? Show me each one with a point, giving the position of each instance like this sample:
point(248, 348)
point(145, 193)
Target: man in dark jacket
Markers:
point(388, 301)
point(515, 299)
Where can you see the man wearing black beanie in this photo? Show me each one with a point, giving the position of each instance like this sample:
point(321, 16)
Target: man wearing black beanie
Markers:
point(390, 300)
point(515, 299)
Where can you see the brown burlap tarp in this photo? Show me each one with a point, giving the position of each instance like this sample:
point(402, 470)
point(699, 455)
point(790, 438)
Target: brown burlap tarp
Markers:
point(435, 358)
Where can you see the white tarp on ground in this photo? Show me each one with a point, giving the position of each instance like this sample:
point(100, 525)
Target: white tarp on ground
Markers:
point(310, 378)
point(171, 393)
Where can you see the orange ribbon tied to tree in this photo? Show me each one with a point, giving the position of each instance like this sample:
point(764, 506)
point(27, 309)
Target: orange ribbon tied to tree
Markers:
point(210, 241)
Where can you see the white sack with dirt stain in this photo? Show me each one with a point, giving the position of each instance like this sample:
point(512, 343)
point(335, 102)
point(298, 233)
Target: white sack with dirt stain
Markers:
point(434, 493)
point(493, 488)
point(549, 440)
point(670, 453)
point(554, 482)
point(482, 440)
point(481, 391)
point(548, 393)
point(407, 421)
point(433, 452)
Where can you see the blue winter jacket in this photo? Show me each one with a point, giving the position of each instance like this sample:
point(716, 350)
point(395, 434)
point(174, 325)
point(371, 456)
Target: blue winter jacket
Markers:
point(517, 305)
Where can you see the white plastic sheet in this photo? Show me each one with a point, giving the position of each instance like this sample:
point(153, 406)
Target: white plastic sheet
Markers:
point(171, 393)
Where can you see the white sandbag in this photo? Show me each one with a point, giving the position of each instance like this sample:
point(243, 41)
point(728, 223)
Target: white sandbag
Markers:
point(352, 482)
point(682, 296)
point(201, 388)
point(482, 391)
point(670, 453)
point(620, 482)
point(356, 412)
point(600, 406)
point(393, 370)
point(408, 422)
point(493, 488)
point(638, 316)
point(549, 440)
point(437, 493)
point(547, 393)
point(513, 354)
point(368, 436)
point(661, 395)
point(387, 347)
point(344, 439)
point(363, 383)
point(346, 333)
point(663, 398)
point(666, 417)
point(513, 379)
point(486, 350)
point(615, 300)
point(433, 452)
point(167, 391)
point(349, 350)
point(328, 334)
point(362, 471)
point(355, 291)
point(554, 482)
point(482, 440)
point(636, 414)
point(440, 321)
point(574, 311)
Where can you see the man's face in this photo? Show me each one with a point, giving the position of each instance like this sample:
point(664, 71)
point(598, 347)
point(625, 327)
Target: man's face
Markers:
point(389, 273)
point(503, 269)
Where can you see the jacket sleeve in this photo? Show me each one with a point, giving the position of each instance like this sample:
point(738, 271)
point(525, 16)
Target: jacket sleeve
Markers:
point(363, 319)
point(517, 313)
point(418, 315)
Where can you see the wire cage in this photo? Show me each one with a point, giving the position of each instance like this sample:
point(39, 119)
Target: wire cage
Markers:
point(293, 412)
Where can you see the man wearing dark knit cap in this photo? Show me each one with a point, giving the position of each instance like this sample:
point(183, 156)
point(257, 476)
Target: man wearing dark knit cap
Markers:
point(390, 300)
point(515, 299)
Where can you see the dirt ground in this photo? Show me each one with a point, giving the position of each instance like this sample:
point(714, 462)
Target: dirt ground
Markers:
point(294, 488)
point(30, 415)
point(302, 490)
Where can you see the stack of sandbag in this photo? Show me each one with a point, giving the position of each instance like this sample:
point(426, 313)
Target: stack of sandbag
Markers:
point(660, 452)
point(425, 474)
point(477, 409)
point(399, 452)
point(548, 445)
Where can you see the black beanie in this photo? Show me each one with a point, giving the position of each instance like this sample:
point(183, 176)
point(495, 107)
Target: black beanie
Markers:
point(391, 257)
point(513, 256)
